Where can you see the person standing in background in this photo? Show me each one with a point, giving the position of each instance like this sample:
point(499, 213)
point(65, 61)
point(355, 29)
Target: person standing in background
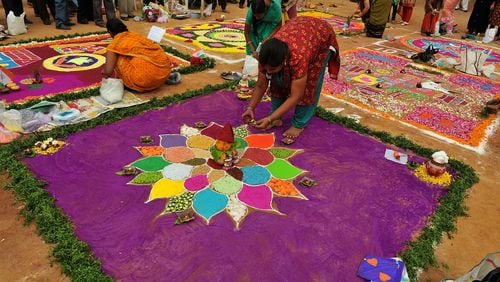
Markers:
point(62, 15)
point(289, 8)
point(16, 6)
point(263, 20)
point(495, 16)
point(463, 5)
point(126, 8)
point(109, 8)
point(375, 14)
point(447, 16)
point(432, 8)
point(394, 6)
point(85, 11)
point(406, 10)
point(41, 7)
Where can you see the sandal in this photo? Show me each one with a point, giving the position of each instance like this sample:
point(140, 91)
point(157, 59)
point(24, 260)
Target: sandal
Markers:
point(231, 75)
point(174, 78)
point(287, 140)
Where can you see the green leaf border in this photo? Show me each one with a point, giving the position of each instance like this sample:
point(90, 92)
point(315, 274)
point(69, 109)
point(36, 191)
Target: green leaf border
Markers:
point(75, 257)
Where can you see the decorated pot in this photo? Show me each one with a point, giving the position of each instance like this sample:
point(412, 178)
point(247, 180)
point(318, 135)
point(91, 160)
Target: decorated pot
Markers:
point(434, 168)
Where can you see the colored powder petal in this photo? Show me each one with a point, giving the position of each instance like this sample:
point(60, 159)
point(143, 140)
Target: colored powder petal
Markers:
point(178, 154)
point(259, 156)
point(227, 185)
point(200, 142)
point(263, 141)
point(255, 175)
point(282, 153)
point(243, 162)
point(196, 183)
point(172, 140)
point(236, 210)
point(154, 163)
point(201, 170)
point(200, 153)
point(195, 162)
point(258, 197)
point(211, 130)
point(208, 203)
point(282, 169)
point(177, 171)
point(189, 131)
point(215, 175)
point(236, 173)
point(179, 203)
point(240, 143)
point(148, 151)
point(147, 177)
point(166, 188)
point(211, 163)
point(241, 131)
point(285, 188)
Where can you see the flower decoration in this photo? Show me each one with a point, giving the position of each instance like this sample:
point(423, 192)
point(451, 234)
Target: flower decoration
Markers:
point(443, 180)
point(48, 146)
point(195, 61)
point(181, 170)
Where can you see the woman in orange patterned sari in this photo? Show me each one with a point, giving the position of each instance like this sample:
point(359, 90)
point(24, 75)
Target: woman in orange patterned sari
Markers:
point(139, 62)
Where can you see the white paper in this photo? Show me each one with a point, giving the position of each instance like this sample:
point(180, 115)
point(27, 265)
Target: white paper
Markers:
point(389, 154)
point(156, 33)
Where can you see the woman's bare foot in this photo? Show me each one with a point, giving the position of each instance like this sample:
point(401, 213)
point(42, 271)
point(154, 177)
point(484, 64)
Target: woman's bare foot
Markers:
point(291, 134)
point(275, 123)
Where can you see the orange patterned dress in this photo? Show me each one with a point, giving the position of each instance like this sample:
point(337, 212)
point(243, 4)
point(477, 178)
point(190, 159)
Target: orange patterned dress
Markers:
point(142, 64)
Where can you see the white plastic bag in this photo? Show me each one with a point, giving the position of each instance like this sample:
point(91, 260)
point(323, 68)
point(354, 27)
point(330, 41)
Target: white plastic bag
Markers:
point(12, 120)
point(15, 25)
point(490, 33)
point(112, 90)
point(436, 29)
point(251, 66)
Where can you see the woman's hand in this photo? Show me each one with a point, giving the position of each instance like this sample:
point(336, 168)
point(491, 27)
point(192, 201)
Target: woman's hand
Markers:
point(255, 54)
point(247, 115)
point(263, 123)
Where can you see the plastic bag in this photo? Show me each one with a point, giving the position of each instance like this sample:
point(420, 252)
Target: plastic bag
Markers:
point(15, 25)
point(12, 120)
point(490, 33)
point(251, 66)
point(7, 136)
point(112, 90)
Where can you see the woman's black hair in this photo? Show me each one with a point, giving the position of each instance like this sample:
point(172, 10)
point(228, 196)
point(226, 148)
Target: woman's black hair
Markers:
point(273, 53)
point(116, 26)
point(258, 7)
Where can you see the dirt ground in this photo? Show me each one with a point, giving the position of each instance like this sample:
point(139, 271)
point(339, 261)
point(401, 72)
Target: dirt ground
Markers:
point(25, 257)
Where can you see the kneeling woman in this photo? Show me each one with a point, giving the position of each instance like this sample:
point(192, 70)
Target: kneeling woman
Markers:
point(294, 61)
point(139, 62)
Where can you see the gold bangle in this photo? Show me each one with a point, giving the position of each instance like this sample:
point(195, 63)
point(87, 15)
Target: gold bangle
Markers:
point(269, 119)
